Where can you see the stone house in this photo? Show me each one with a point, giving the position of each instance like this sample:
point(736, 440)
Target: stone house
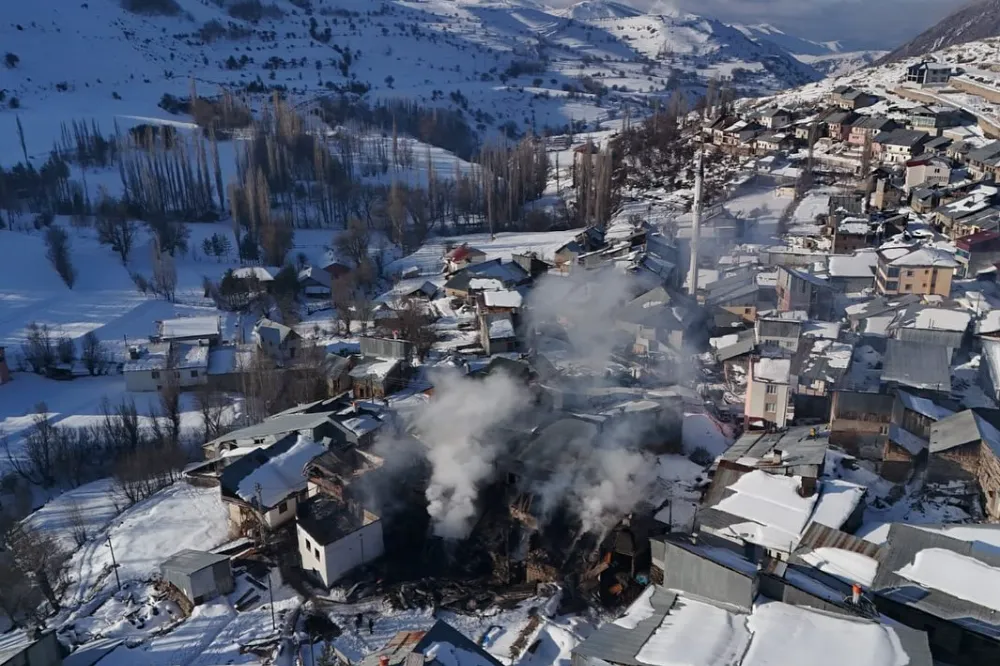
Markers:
point(965, 446)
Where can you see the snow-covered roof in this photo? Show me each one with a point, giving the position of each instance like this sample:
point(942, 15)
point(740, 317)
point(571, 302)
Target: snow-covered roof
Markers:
point(923, 406)
point(361, 425)
point(776, 370)
point(156, 357)
point(485, 284)
point(776, 513)
point(261, 273)
point(696, 632)
point(282, 475)
point(829, 330)
point(378, 368)
point(940, 319)
point(990, 323)
point(958, 575)
point(786, 634)
point(500, 328)
point(860, 264)
point(921, 257)
point(854, 226)
point(503, 299)
point(847, 565)
point(189, 328)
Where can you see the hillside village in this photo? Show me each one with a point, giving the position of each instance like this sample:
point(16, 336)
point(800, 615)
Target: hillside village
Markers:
point(338, 383)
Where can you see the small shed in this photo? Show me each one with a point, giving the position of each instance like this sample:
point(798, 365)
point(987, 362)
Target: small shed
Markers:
point(199, 575)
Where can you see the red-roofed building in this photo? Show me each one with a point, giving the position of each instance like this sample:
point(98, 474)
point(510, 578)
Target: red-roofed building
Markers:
point(977, 252)
point(463, 256)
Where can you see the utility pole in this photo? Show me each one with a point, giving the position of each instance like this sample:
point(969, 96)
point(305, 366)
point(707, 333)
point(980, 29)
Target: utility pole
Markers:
point(699, 177)
point(114, 563)
point(270, 593)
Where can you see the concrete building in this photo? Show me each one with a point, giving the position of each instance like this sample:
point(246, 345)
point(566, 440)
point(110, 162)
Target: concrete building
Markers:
point(768, 398)
point(927, 171)
point(334, 539)
point(199, 575)
point(206, 330)
point(928, 74)
point(914, 270)
point(152, 367)
point(800, 290)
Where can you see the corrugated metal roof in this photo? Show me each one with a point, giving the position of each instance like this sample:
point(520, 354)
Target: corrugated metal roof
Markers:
point(821, 536)
point(190, 561)
point(798, 446)
point(903, 544)
point(619, 645)
point(962, 428)
point(917, 365)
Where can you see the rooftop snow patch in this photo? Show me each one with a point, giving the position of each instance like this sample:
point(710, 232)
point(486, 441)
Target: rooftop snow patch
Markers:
point(189, 327)
point(940, 319)
point(844, 564)
point(282, 475)
point(960, 576)
point(502, 299)
point(696, 633)
point(775, 370)
point(773, 503)
point(861, 264)
point(784, 634)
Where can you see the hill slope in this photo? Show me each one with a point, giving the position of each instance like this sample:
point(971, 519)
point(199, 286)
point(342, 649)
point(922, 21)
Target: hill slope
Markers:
point(510, 65)
point(977, 21)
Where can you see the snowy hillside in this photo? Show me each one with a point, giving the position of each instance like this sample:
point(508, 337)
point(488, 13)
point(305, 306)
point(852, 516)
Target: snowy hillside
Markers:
point(975, 21)
point(513, 63)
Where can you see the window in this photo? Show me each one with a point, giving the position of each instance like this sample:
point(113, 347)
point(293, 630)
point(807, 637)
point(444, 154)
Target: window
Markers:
point(908, 287)
point(892, 272)
point(194, 373)
point(156, 374)
point(909, 273)
point(770, 408)
point(283, 507)
point(772, 389)
point(892, 285)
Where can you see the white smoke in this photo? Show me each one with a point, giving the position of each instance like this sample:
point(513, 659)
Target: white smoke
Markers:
point(455, 429)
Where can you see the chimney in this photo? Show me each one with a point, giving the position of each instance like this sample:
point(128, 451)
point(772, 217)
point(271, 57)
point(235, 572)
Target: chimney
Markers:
point(383, 660)
point(808, 487)
point(855, 594)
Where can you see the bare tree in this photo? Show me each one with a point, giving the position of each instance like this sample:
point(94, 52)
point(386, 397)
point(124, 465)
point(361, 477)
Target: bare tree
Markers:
point(212, 406)
point(78, 524)
point(164, 280)
point(354, 241)
point(342, 294)
point(41, 559)
point(19, 598)
point(38, 350)
point(416, 326)
point(58, 253)
point(93, 354)
point(39, 453)
point(170, 403)
point(114, 228)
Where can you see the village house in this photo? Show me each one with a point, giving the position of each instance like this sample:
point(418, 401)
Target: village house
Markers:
point(740, 294)
point(927, 170)
point(160, 364)
point(966, 215)
point(868, 128)
point(852, 273)
point(932, 118)
point(497, 334)
point(928, 578)
point(705, 581)
point(925, 199)
point(860, 422)
point(850, 98)
point(659, 321)
point(485, 276)
point(461, 257)
point(909, 435)
point(374, 377)
point(740, 507)
point(777, 118)
point(977, 252)
point(768, 400)
point(984, 161)
point(281, 343)
point(939, 146)
point(199, 575)
point(504, 300)
point(936, 324)
point(917, 365)
point(928, 74)
point(779, 335)
point(914, 270)
point(850, 234)
point(817, 368)
point(335, 269)
point(796, 451)
point(732, 349)
point(772, 142)
point(334, 539)
point(262, 488)
point(799, 290)
point(315, 282)
point(965, 446)
point(201, 330)
point(838, 124)
point(314, 425)
point(441, 645)
point(899, 145)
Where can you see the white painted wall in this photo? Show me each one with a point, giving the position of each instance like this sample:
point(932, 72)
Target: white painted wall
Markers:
point(144, 380)
point(338, 558)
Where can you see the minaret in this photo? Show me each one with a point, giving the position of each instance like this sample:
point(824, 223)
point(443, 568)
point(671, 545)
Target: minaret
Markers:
point(696, 221)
